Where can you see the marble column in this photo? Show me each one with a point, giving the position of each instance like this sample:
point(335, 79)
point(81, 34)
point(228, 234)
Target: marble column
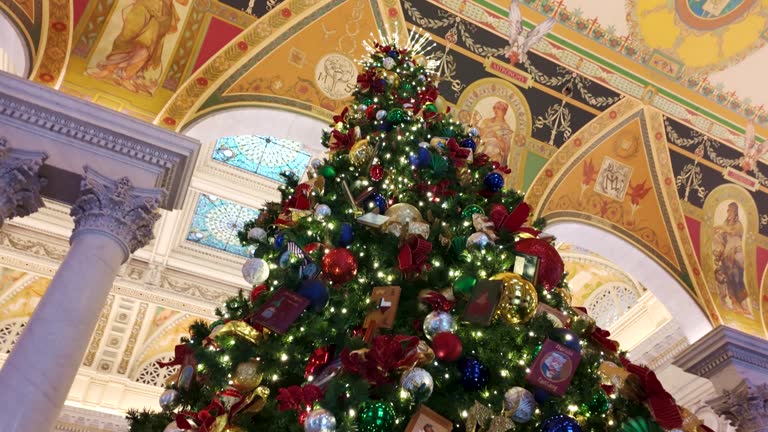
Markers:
point(112, 220)
point(737, 365)
point(20, 182)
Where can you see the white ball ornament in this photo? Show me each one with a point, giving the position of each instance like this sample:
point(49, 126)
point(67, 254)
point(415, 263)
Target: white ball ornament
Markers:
point(388, 63)
point(519, 404)
point(257, 234)
point(322, 211)
point(320, 420)
point(418, 381)
point(381, 114)
point(255, 271)
point(478, 239)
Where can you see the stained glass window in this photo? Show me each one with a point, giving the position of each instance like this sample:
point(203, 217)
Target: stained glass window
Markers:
point(263, 155)
point(216, 222)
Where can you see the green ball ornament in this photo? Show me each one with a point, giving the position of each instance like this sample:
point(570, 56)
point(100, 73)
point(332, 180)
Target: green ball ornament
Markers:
point(430, 108)
point(397, 116)
point(471, 210)
point(376, 416)
point(464, 284)
point(328, 171)
point(599, 404)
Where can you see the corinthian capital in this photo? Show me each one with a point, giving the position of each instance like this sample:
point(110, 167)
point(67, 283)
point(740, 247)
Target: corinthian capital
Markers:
point(116, 209)
point(19, 181)
point(746, 406)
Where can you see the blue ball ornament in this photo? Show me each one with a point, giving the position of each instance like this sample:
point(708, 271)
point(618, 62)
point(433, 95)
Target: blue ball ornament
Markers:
point(468, 143)
point(279, 241)
point(378, 201)
point(317, 293)
point(345, 235)
point(424, 157)
point(394, 54)
point(561, 423)
point(541, 396)
point(493, 181)
point(566, 338)
point(474, 374)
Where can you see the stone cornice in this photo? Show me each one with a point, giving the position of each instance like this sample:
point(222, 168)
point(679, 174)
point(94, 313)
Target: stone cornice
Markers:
point(721, 347)
point(86, 126)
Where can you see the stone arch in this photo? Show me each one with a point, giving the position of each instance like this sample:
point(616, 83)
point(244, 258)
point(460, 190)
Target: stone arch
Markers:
point(15, 51)
point(627, 256)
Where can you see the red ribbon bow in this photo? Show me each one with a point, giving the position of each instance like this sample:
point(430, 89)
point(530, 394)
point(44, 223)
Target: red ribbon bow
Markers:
point(340, 117)
point(459, 155)
point(319, 360)
point(509, 221)
point(365, 80)
point(204, 419)
point(480, 160)
point(438, 301)
point(298, 398)
point(300, 198)
point(413, 255)
point(256, 292)
point(387, 353)
point(499, 167)
point(342, 141)
point(182, 354)
point(661, 403)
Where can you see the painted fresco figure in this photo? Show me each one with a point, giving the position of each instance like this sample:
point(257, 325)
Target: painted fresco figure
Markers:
point(496, 133)
point(138, 48)
point(728, 253)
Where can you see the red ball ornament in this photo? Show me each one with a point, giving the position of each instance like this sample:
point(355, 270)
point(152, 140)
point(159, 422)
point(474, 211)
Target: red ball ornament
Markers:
point(376, 172)
point(339, 265)
point(447, 346)
point(551, 265)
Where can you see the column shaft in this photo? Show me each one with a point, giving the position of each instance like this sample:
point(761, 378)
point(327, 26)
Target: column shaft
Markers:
point(42, 366)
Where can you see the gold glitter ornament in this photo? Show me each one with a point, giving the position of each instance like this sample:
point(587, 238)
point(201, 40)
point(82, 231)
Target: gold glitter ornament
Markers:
point(361, 153)
point(518, 301)
point(247, 376)
point(480, 418)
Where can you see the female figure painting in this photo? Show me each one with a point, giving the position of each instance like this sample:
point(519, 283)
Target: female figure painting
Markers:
point(496, 132)
point(135, 60)
point(728, 254)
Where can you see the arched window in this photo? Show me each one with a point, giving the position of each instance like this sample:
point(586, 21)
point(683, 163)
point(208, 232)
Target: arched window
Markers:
point(14, 55)
point(609, 302)
point(10, 331)
point(216, 222)
point(266, 156)
point(152, 374)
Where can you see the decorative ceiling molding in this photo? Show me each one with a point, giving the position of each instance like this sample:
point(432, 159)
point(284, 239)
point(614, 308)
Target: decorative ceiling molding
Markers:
point(55, 43)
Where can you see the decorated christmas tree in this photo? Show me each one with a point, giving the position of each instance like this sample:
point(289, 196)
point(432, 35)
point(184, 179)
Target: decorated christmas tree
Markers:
point(402, 288)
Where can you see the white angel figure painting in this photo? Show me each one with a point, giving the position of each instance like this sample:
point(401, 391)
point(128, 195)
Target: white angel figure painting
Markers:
point(752, 150)
point(520, 43)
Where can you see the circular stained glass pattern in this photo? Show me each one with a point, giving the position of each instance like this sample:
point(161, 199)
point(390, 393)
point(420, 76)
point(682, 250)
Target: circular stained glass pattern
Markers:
point(216, 222)
point(263, 155)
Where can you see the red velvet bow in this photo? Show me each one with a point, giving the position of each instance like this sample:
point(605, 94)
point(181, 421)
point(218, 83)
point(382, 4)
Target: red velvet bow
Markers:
point(298, 398)
point(365, 80)
point(387, 354)
point(438, 301)
point(509, 221)
point(342, 141)
point(413, 255)
point(480, 160)
point(300, 198)
point(459, 155)
point(181, 355)
point(318, 360)
point(203, 419)
point(441, 189)
point(499, 167)
point(661, 403)
point(341, 117)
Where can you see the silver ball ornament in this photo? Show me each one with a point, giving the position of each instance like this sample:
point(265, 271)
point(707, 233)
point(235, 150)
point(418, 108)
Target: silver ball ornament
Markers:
point(438, 322)
point(316, 164)
point(519, 404)
point(320, 420)
point(424, 144)
point(418, 381)
point(362, 107)
point(473, 132)
point(381, 114)
point(478, 240)
point(173, 427)
point(257, 234)
point(322, 211)
point(170, 399)
point(255, 271)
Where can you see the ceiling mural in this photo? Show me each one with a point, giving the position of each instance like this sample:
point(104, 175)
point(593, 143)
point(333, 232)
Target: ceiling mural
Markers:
point(606, 122)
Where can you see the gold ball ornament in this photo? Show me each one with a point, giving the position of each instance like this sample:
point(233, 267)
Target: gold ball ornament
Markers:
point(361, 153)
point(518, 301)
point(247, 376)
point(403, 213)
point(233, 428)
point(392, 78)
point(420, 60)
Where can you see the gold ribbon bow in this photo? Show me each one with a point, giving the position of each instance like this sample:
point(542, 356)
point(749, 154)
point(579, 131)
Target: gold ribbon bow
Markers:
point(482, 416)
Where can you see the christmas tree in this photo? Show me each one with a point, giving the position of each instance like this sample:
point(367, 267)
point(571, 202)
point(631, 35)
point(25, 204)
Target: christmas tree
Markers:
point(400, 288)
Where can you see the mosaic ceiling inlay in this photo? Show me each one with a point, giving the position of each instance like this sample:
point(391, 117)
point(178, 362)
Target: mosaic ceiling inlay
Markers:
point(263, 155)
point(216, 222)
